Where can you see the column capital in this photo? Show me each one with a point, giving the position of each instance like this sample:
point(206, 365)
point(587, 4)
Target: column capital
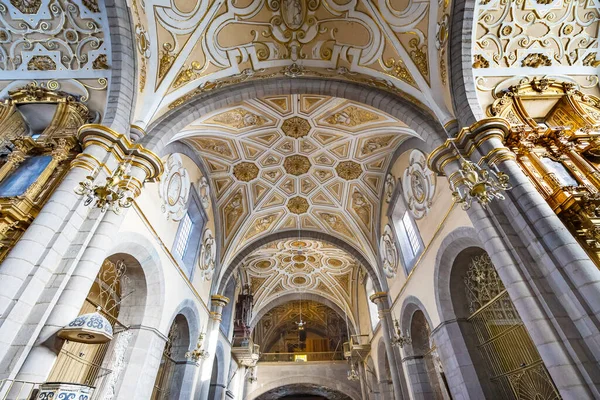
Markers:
point(121, 148)
point(379, 297)
point(218, 300)
point(474, 138)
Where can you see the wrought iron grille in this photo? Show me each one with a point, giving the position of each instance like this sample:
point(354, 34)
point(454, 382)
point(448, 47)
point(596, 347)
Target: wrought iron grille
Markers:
point(514, 365)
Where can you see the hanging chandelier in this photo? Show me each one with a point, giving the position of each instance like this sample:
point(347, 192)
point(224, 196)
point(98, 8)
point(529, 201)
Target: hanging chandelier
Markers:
point(113, 195)
point(352, 374)
point(399, 339)
point(479, 184)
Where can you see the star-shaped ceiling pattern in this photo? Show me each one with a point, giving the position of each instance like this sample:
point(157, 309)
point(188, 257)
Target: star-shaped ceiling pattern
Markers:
point(297, 161)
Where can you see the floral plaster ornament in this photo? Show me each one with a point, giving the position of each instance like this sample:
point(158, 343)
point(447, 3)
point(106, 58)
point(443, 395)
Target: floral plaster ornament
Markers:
point(390, 185)
point(388, 252)
point(208, 255)
point(418, 185)
point(204, 193)
point(175, 188)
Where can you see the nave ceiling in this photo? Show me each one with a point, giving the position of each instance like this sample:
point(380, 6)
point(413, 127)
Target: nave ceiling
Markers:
point(301, 265)
point(297, 162)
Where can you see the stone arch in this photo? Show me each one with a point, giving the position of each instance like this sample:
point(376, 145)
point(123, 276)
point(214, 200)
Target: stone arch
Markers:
point(338, 385)
point(425, 125)
point(372, 377)
point(188, 310)
point(462, 83)
point(453, 244)
point(145, 277)
point(410, 306)
point(380, 285)
point(302, 296)
point(122, 88)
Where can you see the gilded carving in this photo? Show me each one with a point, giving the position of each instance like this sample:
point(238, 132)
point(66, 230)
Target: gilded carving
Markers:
point(101, 62)
point(295, 127)
point(348, 170)
point(297, 205)
point(479, 61)
point(238, 118)
point(27, 6)
point(536, 60)
point(91, 5)
point(41, 63)
point(376, 143)
point(352, 116)
point(245, 171)
point(296, 165)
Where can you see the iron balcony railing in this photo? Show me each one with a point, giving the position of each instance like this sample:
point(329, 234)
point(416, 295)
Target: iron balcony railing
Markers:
point(302, 356)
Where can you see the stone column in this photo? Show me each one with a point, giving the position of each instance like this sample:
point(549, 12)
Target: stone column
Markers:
point(416, 377)
point(551, 280)
point(464, 379)
point(382, 301)
point(142, 362)
point(218, 302)
point(363, 380)
point(56, 304)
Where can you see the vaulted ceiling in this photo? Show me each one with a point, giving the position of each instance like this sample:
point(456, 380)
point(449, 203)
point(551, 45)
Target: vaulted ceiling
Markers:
point(188, 47)
point(299, 265)
point(297, 162)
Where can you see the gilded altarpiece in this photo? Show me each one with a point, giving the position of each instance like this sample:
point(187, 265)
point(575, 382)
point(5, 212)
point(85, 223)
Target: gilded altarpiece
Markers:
point(37, 142)
point(555, 134)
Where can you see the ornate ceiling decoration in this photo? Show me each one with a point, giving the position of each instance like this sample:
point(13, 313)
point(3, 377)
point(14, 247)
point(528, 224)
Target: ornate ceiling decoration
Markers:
point(57, 44)
point(300, 265)
point(266, 181)
point(281, 321)
point(534, 38)
point(189, 48)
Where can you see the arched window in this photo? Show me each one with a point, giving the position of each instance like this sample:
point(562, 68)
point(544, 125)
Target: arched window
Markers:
point(407, 232)
point(189, 234)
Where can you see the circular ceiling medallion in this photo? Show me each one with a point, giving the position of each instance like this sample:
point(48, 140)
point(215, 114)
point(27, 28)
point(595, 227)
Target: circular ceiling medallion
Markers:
point(334, 262)
point(295, 127)
point(300, 265)
point(245, 171)
point(299, 280)
point(299, 243)
point(297, 205)
point(299, 258)
point(264, 264)
point(296, 165)
point(348, 170)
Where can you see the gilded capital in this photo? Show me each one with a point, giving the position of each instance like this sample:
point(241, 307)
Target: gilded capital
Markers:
point(378, 297)
point(219, 301)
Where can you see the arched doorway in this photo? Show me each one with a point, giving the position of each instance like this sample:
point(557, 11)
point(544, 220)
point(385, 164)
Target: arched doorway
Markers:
point(84, 363)
point(172, 364)
point(496, 337)
point(428, 374)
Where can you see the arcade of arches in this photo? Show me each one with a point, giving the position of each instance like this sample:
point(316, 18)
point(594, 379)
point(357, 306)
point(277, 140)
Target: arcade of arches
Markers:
point(299, 199)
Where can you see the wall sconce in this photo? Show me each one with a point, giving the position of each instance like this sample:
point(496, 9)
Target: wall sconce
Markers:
point(198, 353)
point(399, 339)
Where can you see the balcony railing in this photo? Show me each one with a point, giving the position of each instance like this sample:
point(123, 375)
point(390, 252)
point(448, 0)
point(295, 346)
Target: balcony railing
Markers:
point(302, 357)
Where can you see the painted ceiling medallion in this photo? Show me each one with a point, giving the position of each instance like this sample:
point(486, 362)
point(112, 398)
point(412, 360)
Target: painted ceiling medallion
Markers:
point(298, 205)
point(208, 255)
point(295, 127)
point(348, 170)
point(296, 165)
point(175, 188)
point(418, 185)
point(245, 171)
point(388, 252)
